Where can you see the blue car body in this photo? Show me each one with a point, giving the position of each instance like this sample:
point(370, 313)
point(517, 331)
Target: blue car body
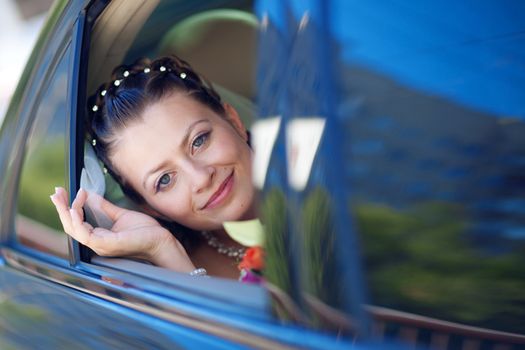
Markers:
point(413, 116)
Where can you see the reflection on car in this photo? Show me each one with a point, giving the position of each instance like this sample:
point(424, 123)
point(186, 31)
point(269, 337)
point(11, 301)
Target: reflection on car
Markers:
point(389, 160)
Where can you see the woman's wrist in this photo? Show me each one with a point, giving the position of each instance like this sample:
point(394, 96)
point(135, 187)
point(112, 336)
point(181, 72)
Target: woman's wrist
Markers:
point(170, 254)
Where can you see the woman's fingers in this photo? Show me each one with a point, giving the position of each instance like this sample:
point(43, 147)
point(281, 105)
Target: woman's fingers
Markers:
point(133, 233)
point(111, 210)
point(79, 201)
point(62, 195)
point(63, 211)
point(81, 230)
point(78, 232)
point(102, 241)
point(67, 214)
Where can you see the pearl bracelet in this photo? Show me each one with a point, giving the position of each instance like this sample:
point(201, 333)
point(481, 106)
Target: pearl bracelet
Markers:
point(199, 272)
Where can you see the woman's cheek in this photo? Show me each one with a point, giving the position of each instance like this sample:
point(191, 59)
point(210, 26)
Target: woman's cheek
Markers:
point(176, 208)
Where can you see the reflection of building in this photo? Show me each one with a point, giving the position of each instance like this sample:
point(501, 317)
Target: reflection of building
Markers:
point(407, 147)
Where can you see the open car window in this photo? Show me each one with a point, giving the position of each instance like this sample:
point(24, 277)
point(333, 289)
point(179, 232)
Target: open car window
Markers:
point(125, 31)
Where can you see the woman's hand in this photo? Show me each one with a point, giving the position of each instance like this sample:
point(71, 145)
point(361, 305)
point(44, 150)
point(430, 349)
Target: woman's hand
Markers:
point(133, 234)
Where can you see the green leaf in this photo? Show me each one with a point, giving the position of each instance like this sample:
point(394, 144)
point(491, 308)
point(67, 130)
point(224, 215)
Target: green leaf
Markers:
point(248, 233)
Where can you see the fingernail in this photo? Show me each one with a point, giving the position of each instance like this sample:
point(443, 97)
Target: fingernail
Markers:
point(52, 198)
point(56, 189)
point(80, 190)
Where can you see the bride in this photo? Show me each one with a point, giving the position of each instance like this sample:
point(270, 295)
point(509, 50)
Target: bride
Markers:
point(181, 155)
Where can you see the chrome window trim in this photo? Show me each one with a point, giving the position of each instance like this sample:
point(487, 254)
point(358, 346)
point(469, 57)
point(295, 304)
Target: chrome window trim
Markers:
point(441, 330)
point(107, 284)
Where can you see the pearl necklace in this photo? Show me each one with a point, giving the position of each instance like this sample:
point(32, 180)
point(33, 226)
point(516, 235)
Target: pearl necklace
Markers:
point(231, 252)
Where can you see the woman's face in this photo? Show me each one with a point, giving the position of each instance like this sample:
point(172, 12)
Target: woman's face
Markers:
point(190, 164)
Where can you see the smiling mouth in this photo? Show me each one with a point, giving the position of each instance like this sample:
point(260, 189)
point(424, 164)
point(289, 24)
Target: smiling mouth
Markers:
point(221, 193)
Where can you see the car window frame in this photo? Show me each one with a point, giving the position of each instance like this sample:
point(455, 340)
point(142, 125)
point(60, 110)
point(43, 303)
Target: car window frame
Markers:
point(76, 273)
point(49, 58)
point(81, 256)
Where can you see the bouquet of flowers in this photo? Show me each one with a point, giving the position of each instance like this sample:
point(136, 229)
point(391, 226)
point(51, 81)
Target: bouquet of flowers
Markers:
point(250, 234)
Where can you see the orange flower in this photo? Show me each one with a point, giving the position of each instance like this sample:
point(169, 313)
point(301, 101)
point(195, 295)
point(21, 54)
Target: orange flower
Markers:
point(253, 259)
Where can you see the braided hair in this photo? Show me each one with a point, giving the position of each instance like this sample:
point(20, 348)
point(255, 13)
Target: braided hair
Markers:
point(122, 101)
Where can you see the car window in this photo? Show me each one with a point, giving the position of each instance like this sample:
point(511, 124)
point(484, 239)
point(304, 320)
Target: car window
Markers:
point(161, 28)
point(435, 129)
point(44, 167)
point(416, 139)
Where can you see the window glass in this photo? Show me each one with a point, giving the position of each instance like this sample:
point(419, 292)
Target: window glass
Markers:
point(435, 153)
point(311, 253)
point(45, 166)
point(422, 153)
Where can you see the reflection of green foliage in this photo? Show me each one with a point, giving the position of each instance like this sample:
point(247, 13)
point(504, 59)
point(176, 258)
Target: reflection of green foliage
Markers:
point(319, 249)
point(7, 346)
point(419, 261)
point(273, 215)
point(43, 170)
point(24, 323)
point(22, 317)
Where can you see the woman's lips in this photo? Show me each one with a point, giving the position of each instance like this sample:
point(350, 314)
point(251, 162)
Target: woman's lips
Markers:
point(221, 193)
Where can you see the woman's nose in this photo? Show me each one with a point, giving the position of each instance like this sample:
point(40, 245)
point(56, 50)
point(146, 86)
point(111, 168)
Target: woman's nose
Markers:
point(200, 176)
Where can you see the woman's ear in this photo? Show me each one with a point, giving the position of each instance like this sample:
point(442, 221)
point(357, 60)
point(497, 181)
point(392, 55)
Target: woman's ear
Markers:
point(233, 117)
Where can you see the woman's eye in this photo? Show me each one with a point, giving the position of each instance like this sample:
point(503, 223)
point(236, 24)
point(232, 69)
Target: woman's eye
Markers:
point(200, 140)
point(163, 182)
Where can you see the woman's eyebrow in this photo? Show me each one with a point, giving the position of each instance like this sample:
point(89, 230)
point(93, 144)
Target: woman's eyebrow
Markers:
point(184, 142)
point(153, 171)
point(190, 129)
